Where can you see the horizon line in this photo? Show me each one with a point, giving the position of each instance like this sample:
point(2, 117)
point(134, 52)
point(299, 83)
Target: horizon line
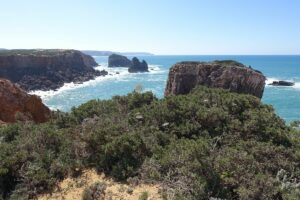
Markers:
point(158, 54)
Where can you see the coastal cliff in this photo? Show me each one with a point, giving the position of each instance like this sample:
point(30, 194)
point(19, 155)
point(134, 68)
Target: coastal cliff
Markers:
point(231, 75)
point(16, 104)
point(46, 69)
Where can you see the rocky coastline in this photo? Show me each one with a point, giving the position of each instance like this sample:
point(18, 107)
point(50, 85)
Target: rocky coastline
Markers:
point(47, 69)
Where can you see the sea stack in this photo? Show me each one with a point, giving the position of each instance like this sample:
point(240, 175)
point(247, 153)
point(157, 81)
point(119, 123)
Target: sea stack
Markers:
point(133, 65)
point(138, 66)
point(228, 74)
point(16, 105)
point(116, 60)
point(47, 69)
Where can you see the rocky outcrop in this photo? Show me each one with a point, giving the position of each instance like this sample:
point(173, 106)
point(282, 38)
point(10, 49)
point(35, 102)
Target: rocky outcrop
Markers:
point(16, 104)
point(116, 60)
point(230, 75)
point(138, 66)
point(46, 69)
point(133, 65)
point(282, 83)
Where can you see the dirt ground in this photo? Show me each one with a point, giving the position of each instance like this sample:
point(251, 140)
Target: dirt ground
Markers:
point(72, 189)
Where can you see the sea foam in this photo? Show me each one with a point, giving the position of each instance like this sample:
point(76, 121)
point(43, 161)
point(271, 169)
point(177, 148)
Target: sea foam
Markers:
point(114, 74)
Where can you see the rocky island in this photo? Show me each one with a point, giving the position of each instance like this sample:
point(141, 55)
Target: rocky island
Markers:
point(17, 105)
point(282, 83)
point(116, 60)
point(138, 66)
point(230, 75)
point(47, 69)
point(133, 65)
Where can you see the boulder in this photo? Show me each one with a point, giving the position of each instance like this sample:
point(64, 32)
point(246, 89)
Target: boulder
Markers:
point(228, 74)
point(282, 83)
point(116, 60)
point(138, 66)
point(16, 104)
point(46, 69)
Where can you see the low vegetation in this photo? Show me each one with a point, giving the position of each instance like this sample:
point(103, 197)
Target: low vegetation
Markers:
point(207, 144)
point(220, 62)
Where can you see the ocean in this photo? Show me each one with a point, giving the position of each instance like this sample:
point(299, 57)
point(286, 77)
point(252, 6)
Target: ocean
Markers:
point(285, 100)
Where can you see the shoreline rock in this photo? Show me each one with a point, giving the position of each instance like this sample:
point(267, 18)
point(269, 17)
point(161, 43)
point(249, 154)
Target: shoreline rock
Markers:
point(282, 83)
point(16, 104)
point(47, 69)
point(230, 75)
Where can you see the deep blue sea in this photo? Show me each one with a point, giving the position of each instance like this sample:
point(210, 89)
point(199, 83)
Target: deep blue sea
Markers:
point(285, 100)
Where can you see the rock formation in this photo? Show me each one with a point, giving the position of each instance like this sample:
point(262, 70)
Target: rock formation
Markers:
point(46, 69)
point(133, 65)
point(138, 66)
point(16, 104)
point(231, 75)
point(282, 83)
point(116, 60)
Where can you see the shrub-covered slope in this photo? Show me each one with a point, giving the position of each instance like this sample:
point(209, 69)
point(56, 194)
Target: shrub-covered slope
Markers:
point(208, 144)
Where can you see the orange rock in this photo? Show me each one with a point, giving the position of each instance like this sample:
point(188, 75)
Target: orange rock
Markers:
point(16, 104)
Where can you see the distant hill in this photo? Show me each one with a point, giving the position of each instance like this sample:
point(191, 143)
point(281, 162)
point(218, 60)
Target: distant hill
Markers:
point(97, 53)
point(100, 53)
point(108, 53)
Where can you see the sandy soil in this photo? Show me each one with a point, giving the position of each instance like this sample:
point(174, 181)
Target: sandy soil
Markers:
point(72, 189)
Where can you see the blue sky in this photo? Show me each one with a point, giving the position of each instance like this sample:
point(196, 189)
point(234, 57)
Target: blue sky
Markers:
point(158, 26)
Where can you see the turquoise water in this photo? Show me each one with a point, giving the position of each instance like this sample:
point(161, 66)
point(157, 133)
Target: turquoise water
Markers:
point(286, 100)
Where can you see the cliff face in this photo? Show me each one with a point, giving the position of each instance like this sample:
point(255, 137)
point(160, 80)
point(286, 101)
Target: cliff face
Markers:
point(231, 75)
point(16, 104)
point(46, 69)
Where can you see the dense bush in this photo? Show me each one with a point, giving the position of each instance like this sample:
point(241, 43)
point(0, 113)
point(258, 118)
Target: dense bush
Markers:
point(207, 144)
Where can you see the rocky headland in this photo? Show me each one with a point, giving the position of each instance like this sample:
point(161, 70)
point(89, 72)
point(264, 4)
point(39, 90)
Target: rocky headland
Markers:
point(133, 65)
point(47, 69)
point(230, 75)
point(17, 105)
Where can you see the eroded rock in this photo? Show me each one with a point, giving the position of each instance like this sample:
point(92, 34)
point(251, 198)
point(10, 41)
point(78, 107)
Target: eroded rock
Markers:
point(16, 104)
point(231, 75)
